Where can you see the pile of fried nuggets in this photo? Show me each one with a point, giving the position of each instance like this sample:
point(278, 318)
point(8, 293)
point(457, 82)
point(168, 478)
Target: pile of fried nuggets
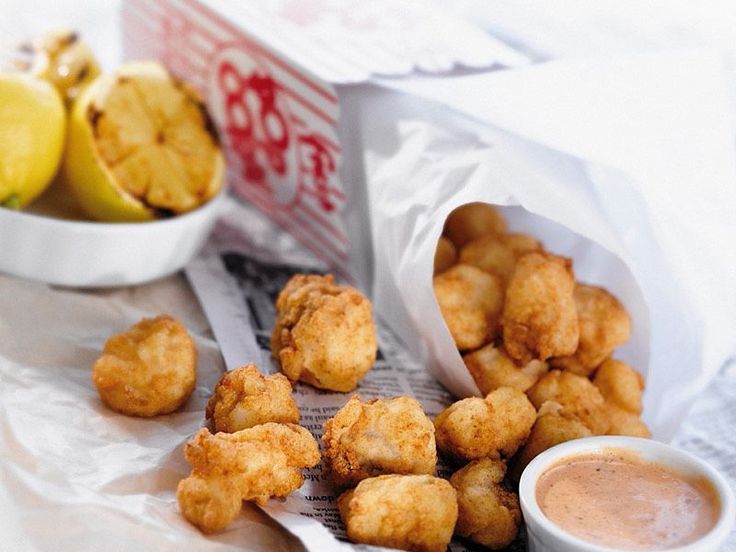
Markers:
point(538, 344)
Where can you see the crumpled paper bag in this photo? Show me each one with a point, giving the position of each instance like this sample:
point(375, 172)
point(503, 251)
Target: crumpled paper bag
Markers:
point(625, 165)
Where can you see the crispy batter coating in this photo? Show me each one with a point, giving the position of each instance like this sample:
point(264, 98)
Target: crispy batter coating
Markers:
point(324, 333)
point(604, 325)
point(552, 427)
point(539, 318)
point(470, 301)
point(623, 422)
point(578, 397)
point(445, 255)
point(252, 464)
point(410, 512)
point(620, 385)
point(244, 398)
point(149, 369)
point(376, 437)
point(498, 253)
point(473, 220)
point(492, 427)
point(487, 513)
point(491, 368)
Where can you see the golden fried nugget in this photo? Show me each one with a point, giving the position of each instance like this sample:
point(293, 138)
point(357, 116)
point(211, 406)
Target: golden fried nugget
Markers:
point(149, 369)
point(470, 301)
point(492, 427)
point(376, 437)
point(604, 325)
point(620, 385)
point(539, 318)
point(552, 427)
point(410, 512)
point(578, 397)
point(473, 220)
point(487, 513)
point(244, 398)
point(324, 333)
point(252, 464)
point(445, 255)
point(491, 368)
point(497, 253)
point(623, 422)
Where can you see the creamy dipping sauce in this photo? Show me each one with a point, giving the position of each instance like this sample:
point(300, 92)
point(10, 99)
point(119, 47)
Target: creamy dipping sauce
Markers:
point(615, 499)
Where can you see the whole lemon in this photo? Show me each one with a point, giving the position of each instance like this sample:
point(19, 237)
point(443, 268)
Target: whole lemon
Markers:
point(32, 131)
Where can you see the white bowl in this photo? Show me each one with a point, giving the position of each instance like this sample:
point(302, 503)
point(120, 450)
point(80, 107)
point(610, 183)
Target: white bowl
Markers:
point(38, 245)
point(546, 536)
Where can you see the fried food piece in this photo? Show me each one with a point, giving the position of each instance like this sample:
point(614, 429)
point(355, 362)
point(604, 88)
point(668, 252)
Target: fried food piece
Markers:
point(252, 464)
point(604, 325)
point(578, 397)
point(470, 301)
point(473, 220)
point(491, 368)
point(498, 253)
point(410, 512)
point(623, 422)
point(244, 398)
point(376, 437)
point(620, 385)
point(539, 318)
point(149, 369)
point(552, 427)
point(487, 513)
point(324, 333)
point(445, 255)
point(492, 427)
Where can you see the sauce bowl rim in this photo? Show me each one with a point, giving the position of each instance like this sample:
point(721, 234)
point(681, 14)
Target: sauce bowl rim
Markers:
point(667, 456)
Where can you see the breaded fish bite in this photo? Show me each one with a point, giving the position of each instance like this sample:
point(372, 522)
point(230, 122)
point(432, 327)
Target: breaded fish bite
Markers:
point(473, 220)
point(578, 397)
point(487, 513)
point(244, 398)
point(497, 253)
point(410, 512)
point(539, 316)
point(376, 437)
point(149, 369)
point(604, 325)
point(324, 333)
point(551, 428)
point(491, 368)
point(480, 428)
point(620, 385)
point(470, 301)
point(252, 464)
point(445, 255)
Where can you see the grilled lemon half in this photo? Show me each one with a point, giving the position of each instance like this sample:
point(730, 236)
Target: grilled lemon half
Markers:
point(141, 146)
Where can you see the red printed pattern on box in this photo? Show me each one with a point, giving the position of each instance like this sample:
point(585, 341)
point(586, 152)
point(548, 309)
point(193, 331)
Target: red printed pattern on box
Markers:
point(277, 123)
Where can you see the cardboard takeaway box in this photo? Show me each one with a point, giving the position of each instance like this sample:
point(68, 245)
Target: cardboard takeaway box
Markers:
point(285, 80)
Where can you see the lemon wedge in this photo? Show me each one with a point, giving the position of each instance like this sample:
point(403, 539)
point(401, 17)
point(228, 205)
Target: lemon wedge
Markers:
point(141, 146)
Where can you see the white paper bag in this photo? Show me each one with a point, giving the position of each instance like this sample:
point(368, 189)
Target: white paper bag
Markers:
point(627, 166)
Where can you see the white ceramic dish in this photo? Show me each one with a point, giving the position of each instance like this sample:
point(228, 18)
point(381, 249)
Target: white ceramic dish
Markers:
point(39, 245)
point(545, 536)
